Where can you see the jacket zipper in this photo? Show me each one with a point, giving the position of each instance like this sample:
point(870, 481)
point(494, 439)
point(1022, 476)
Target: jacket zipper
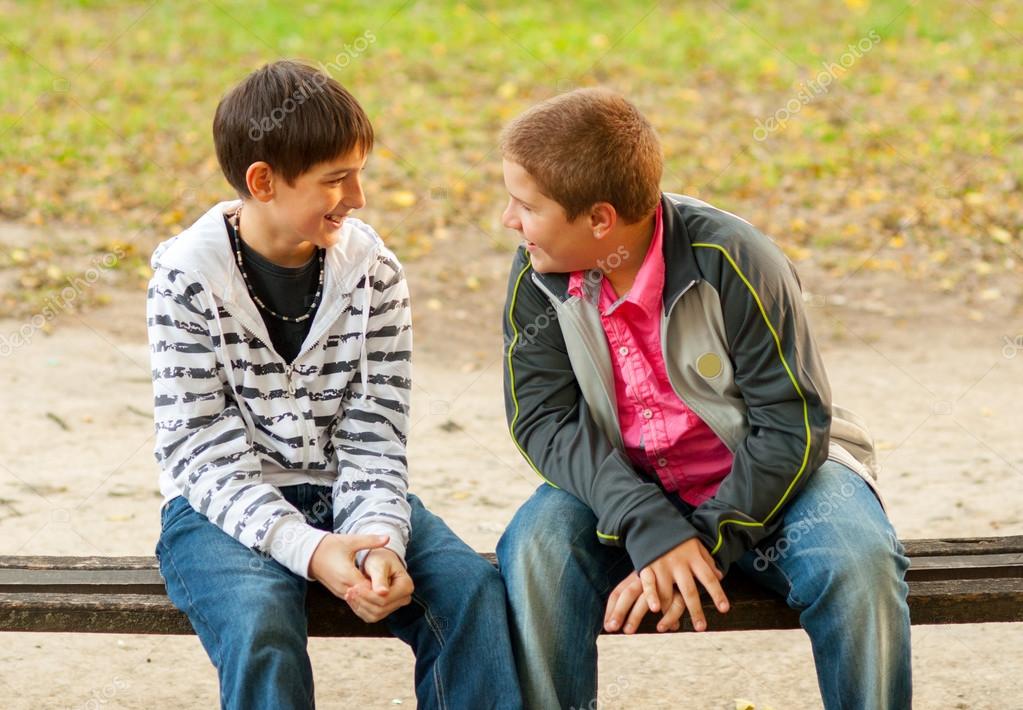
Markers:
point(614, 412)
point(559, 307)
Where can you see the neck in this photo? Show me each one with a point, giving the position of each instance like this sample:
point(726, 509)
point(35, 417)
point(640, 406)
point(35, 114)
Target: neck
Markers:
point(256, 231)
point(632, 245)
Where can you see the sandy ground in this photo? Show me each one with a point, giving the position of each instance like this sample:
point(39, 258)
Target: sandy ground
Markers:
point(940, 390)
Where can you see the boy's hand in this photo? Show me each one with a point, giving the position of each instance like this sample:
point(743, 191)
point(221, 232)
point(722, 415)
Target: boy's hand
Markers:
point(681, 567)
point(628, 602)
point(388, 588)
point(333, 561)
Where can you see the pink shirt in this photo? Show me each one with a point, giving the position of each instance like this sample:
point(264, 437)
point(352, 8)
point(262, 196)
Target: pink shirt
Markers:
point(662, 435)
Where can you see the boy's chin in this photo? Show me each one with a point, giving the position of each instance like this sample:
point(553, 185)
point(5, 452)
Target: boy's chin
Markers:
point(326, 240)
point(544, 264)
point(541, 264)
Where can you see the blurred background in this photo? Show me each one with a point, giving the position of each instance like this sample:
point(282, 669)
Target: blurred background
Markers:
point(866, 136)
point(879, 142)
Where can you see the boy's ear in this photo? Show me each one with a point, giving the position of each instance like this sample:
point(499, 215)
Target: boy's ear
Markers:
point(603, 218)
point(259, 179)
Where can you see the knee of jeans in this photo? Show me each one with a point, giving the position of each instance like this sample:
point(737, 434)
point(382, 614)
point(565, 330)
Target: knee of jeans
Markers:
point(549, 516)
point(483, 584)
point(265, 617)
point(549, 527)
point(261, 629)
point(865, 576)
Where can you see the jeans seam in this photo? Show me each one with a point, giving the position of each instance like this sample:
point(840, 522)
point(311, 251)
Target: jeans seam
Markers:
point(791, 594)
point(193, 608)
point(435, 628)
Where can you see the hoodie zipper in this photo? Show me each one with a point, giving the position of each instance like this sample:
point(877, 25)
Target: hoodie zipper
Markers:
point(289, 372)
point(216, 229)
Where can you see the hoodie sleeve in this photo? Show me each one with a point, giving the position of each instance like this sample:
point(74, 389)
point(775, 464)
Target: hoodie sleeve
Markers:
point(780, 374)
point(370, 493)
point(201, 437)
point(555, 432)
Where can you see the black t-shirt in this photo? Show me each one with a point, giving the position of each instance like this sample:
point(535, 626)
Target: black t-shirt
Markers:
point(288, 291)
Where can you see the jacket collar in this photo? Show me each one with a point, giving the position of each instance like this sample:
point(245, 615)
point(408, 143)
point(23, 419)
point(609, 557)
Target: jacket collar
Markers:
point(680, 268)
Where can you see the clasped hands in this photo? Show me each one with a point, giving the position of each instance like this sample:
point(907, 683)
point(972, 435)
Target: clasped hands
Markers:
point(667, 585)
point(379, 588)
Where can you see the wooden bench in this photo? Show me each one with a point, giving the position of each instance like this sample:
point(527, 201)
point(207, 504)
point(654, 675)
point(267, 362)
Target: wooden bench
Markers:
point(958, 581)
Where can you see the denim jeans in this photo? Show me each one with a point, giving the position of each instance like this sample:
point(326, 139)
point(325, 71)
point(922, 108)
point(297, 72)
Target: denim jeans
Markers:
point(835, 558)
point(249, 611)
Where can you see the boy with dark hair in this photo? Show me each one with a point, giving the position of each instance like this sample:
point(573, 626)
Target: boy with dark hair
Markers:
point(662, 379)
point(281, 343)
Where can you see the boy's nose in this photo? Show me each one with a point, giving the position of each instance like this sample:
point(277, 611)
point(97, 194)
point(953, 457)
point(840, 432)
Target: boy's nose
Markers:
point(355, 198)
point(509, 220)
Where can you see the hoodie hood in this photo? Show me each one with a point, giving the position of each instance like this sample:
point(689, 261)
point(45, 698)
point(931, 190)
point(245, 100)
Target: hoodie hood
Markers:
point(204, 252)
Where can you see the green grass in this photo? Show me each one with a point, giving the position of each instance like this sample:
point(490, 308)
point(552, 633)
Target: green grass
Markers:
point(105, 109)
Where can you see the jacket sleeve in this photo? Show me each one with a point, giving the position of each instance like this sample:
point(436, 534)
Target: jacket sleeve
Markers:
point(370, 493)
point(779, 373)
point(553, 429)
point(201, 437)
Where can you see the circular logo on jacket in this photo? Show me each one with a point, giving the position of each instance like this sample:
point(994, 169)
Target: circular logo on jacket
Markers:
point(709, 365)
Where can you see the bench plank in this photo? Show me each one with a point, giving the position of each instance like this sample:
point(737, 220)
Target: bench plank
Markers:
point(970, 580)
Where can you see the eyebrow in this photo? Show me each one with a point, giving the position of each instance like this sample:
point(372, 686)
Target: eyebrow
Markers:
point(342, 170)
point(519, 199)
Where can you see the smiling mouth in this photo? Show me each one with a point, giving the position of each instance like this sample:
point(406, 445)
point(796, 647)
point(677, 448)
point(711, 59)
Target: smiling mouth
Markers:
point(334, 219)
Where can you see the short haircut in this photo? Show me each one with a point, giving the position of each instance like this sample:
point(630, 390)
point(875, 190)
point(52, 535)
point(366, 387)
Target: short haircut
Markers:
point(589, 146)
point(290, 115)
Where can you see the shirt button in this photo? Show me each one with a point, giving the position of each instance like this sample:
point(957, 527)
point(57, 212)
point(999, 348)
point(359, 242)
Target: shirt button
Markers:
point(647, 413)
point(623, 351)
point(662, 462)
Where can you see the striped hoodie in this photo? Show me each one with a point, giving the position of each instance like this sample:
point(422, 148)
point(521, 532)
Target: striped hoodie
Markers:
point(234, 421)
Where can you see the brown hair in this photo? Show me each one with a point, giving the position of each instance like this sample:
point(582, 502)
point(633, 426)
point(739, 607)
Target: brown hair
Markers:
point(589, 146)
point(290, 115)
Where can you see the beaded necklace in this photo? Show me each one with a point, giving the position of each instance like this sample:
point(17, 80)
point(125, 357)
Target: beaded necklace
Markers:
point(235, 220)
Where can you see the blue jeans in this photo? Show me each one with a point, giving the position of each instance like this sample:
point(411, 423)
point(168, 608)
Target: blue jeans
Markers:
point(249, 611)
point(836, 558)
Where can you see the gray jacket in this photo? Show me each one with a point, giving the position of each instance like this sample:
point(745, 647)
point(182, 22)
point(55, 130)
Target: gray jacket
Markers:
point(739, 353)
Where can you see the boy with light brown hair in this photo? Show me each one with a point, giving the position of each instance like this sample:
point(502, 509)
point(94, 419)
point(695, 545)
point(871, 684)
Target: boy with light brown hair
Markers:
point(662, 379)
